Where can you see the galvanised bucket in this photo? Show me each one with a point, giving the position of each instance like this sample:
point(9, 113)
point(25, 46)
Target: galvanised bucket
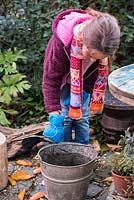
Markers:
point(67, 168)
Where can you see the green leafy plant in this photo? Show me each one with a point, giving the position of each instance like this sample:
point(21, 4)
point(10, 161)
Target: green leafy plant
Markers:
point(11, 84)
point(123, 162)
point(96, 125)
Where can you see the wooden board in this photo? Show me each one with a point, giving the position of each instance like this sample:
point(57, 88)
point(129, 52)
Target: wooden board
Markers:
point(121, 84)
point(24, 139)
point(3, 162)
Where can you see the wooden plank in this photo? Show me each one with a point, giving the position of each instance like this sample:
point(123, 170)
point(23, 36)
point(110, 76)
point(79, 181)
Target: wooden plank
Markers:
point(121, 84)
point(3, 162)
point(23, 139)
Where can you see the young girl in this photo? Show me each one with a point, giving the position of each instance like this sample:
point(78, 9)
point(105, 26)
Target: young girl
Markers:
point(75, 71)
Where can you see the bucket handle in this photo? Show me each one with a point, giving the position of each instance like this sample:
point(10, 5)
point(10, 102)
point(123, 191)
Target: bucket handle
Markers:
point(36, 157)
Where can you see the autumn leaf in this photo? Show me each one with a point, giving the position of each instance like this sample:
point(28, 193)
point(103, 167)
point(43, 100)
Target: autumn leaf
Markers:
point(91, 131)
point(12, 181)
point(37, 171)
point(21, 195)
point(21, 175)
point(104, 148)
point(24, 163)
point(38, 196)
point(114, 146)
point(108, 179)
point(97, 145)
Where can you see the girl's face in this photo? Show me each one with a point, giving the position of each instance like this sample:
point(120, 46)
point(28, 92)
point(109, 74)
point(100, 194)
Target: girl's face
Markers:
point(92, 54)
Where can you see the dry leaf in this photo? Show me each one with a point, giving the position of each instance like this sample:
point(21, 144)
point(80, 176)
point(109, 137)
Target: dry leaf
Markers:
point(21, 195)
point(21, 175)
point(104, 148)
point(38, 195)
point(12, 181)
point(91, 131)
point(114, 146)
point(108, 179)
point(37, 171)
point(24, 162)
point(97, 145)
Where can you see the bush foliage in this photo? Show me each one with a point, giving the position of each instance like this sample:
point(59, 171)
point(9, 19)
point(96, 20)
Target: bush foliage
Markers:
point(11, 84)
point(26, 24)
point(123, 11)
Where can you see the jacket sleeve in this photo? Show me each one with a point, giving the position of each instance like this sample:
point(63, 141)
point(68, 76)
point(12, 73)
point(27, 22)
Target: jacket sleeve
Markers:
point(56, 65)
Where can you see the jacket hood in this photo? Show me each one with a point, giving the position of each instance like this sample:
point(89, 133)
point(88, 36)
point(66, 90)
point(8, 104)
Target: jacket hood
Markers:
point(65, 21)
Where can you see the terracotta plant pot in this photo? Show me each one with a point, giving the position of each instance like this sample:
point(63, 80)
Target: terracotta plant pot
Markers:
point(121, 184)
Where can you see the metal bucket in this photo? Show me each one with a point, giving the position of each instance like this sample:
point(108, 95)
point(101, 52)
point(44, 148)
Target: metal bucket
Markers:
point(67, 168)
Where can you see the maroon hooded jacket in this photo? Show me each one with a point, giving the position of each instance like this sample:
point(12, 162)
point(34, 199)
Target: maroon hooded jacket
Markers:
point(57, 67)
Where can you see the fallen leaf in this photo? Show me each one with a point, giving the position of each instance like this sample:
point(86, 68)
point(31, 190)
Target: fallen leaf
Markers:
point(24, 162)
point(108, 179)
point(21, 195)
point(104, 148)
point(21, 175)
point(97, 145)
point(12, 181)
point(91, 131)
point(37, 171)
point(38, 195)
point(114, 146)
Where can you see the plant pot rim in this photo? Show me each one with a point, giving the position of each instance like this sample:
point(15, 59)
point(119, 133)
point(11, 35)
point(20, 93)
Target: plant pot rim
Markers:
point(115, 174)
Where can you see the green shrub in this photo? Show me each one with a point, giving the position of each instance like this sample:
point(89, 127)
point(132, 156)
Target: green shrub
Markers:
point(26, 24)
point(123, 11)
point(11, 84)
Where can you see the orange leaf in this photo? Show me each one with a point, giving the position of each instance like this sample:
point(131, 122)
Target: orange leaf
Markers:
point(12, 181)
point(21, 175)
point(91, 131)
point(21, 195)
point(37, 171)
point(108, 179)
point(114, 146)
point(38, 195)
point(97, 145)
point(24, 162)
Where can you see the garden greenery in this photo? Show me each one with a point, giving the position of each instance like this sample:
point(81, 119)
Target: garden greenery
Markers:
point(26, 24)
point(123, 162)
point(123, 11)
point(11, 84)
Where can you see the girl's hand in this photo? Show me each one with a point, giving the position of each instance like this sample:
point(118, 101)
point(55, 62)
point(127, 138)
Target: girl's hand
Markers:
point(54, 131)
point(58, 112)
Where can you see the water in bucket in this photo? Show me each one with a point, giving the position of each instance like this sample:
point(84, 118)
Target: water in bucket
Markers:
point(66, 159)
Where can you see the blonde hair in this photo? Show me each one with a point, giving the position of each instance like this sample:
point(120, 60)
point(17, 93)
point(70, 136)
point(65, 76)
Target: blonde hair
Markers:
point(103, 33)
